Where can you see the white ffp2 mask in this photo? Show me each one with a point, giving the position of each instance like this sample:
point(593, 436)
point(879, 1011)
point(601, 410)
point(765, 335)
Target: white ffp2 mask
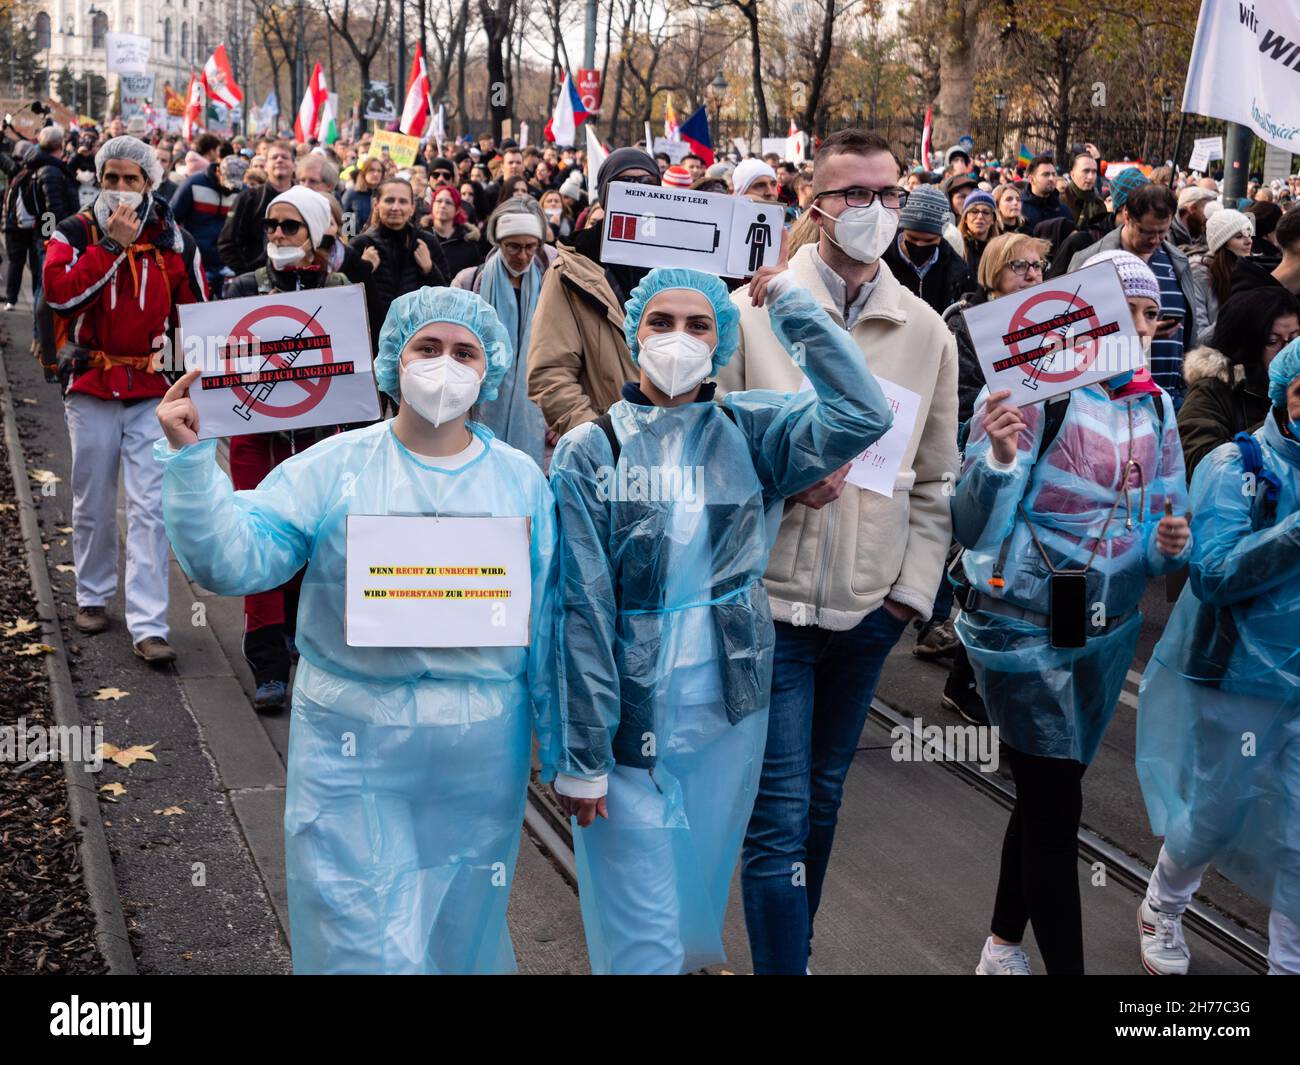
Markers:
point(282, 258)
point(675, 362)
point(863, 233)
point(439, 389)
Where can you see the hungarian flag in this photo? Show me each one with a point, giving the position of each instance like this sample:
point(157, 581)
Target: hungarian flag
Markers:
point(695, 132)
point(569, 114)
point(415, 112)
point(219, 79)
point(670, 121)
point(307, 125)
point(926, 133)
point(193, 108)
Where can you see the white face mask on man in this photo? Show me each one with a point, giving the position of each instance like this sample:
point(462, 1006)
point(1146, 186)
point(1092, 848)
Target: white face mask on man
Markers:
point(440, 389)
point(675, 362)
point(112, 197)
point(863, 233)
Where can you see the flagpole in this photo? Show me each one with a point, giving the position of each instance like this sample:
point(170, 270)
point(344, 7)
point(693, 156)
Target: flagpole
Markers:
point(401, 43)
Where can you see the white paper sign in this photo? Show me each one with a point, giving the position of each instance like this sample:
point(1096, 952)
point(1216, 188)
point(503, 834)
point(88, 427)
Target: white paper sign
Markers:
point(290, 360)
point(437, 582)
point(675, 150)
point(1241, 67)
point(876, 469)
point(1204, 151)
point(126, 53)
point(650, 225)
point(1068, 332)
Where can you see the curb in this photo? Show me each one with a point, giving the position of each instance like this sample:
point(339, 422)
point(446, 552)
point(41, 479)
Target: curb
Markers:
point(83, 802)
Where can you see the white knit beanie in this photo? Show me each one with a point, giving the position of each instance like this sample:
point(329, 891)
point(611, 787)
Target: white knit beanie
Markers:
point(1223, 225)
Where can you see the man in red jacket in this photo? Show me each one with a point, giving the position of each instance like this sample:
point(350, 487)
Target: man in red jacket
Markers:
point(115, 274)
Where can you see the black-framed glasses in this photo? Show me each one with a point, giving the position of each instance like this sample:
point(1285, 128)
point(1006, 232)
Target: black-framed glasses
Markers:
point(287, 226)
point(1020, 267)
point(861, 196)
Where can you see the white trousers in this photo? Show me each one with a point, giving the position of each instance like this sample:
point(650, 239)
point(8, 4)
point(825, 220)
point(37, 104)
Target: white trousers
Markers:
point(108, 434)
point(1171, 888)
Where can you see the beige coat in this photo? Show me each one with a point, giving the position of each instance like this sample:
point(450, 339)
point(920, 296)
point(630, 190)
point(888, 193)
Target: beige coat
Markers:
point(833, 566)
point(578, 358)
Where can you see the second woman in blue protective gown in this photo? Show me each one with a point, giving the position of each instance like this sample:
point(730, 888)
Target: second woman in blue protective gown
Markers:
point(407, 767)
point(664, 641)
point(1218, 745)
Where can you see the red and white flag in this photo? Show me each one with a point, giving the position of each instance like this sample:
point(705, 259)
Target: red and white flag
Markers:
point(193, 118)
point(415, 111)
point(307, 125)
point(925, 137)
point(219, 79)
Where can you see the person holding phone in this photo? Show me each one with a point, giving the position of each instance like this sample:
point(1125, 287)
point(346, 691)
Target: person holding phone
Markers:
point(1060, 537)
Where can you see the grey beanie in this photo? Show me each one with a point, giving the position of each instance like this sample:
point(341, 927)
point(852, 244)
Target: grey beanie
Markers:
point(926, 210)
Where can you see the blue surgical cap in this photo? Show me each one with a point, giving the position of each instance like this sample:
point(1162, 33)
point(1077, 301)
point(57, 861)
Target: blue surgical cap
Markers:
point(1284, 369)
point(410, 313)
point(725, 315)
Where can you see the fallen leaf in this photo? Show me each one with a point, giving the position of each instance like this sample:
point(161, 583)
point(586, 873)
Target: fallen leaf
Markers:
point(171, 811)
point(64, 529)
point(187, 956)
point(66, 567)
point(18, 627)
point(44, 476)
point(105, 694)
point(36, 649)
point(8, 506)
point(126, 756)
point(114, 788)
point(28, 400)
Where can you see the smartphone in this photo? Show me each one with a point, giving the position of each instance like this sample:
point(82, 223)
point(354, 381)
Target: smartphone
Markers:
point(1067, 609)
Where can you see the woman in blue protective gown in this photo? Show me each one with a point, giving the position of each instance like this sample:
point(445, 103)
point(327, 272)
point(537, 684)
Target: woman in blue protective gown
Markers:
point(1218, 745)
point(407, 767)
point(668, 509)
point(1089, 501)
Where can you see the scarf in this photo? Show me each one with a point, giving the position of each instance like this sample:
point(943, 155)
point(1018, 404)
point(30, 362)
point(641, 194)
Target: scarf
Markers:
point(512, 416)
point(1091, 210)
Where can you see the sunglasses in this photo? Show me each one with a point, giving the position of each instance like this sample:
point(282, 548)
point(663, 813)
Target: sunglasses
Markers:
point(287, 226)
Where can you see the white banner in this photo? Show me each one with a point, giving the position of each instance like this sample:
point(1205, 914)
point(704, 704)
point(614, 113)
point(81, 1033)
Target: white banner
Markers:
point(126, 53)
point(1241, 70)
point(1068, 332)
point(415, 581)
point(291, 360)
point(137, 91)
point(1204, 151)
point(876, 469)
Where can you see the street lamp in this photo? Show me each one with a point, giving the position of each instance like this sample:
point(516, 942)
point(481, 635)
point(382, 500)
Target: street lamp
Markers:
point(1166, 109)
point(717, 90)
point(857, 111)
point(999, 105)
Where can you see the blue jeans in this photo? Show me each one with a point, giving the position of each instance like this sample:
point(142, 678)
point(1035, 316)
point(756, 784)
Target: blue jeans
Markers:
point(822, 686)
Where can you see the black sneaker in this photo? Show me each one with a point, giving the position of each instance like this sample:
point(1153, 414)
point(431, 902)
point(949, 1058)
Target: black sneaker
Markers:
point(967, 704)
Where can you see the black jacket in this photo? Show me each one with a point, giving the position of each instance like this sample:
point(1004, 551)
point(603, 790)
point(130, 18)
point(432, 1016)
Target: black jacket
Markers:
point(944, 282)
point(397, 273)
point(1251, 273)
point(461, 249)
point(242, 244)
point(54, 187)
point(1037, 209)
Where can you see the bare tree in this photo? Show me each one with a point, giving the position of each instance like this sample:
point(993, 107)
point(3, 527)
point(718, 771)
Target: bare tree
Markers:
point(340, 16)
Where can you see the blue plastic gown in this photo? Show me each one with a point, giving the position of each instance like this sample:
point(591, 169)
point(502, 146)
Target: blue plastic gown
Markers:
point(1218, 744)
point(1047, 701)
point(664, 645)
point(408, 767)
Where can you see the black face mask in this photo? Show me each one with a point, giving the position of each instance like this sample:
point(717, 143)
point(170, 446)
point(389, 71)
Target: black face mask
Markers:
point(918, 253)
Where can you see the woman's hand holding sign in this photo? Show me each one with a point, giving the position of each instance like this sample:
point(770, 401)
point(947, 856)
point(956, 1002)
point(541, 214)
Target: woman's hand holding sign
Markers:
point(177, 415)
point(1003, 424)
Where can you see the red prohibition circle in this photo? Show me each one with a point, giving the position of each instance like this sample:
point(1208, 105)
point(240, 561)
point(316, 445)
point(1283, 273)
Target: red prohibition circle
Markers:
point(1087, 349)
point(315, 389)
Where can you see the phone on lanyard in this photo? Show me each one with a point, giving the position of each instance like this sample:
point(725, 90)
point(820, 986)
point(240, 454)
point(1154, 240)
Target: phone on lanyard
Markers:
point(1068, 610)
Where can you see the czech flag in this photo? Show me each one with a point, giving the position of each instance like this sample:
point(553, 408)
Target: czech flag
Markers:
point(569, 114)
point(695, 132)
point(308, 123)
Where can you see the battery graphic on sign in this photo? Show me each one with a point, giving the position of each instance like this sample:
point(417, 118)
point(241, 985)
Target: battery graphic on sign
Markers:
point(286, 359)
point(657, 231)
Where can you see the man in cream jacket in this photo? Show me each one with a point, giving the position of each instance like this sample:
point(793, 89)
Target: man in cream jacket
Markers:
point(851, 567)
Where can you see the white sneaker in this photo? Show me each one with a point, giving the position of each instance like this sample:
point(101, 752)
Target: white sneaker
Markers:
point(1164, 950)
point(9, 306)
point(997, 959)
